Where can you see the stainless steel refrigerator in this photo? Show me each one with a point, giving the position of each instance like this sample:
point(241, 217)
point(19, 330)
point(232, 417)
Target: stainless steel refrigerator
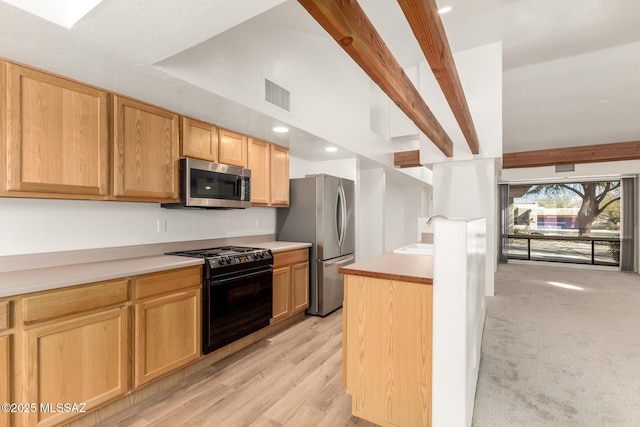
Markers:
point(321, 211)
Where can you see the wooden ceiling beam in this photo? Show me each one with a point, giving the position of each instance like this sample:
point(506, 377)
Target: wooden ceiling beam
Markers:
point(425, 22)
point(347, 23)
point(571, 155)
point(407, 159)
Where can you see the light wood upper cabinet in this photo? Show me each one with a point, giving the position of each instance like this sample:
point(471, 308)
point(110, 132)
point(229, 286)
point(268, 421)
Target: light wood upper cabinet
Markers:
point(260, 165)
point(232, 148)
point(167, 322)
point(199, 140)
point(279, 176)
point(269, 166)
point(56, 142)
point(145, 152)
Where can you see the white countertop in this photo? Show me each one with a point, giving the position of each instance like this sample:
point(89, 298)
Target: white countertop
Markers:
point(41, 279)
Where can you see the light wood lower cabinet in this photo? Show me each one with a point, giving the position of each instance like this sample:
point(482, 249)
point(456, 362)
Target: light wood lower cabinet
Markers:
point(5, 377)
point(290, 283)
point(167, 318)
point(71, 347)
point(386, 349)
point(81, 360)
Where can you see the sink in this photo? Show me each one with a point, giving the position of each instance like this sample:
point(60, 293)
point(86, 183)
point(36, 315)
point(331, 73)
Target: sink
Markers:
point(416, 249)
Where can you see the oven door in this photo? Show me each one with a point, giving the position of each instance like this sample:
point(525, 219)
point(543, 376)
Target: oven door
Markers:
point(235, 305)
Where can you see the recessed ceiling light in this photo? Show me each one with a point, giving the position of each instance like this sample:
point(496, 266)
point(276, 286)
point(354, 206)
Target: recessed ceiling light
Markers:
point(603, 103)
point(331, 149)
point(444, 10)
point(281, 129)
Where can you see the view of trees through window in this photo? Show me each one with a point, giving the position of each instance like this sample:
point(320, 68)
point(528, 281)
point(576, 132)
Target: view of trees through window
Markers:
point(568, 222)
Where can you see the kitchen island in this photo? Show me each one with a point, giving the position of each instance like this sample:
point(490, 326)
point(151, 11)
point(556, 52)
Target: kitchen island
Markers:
point(412, 329)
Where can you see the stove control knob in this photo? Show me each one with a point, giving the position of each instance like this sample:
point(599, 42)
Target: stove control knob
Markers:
point(221, 261)
point(261, 255)
point(249, 258)
point(228, 260)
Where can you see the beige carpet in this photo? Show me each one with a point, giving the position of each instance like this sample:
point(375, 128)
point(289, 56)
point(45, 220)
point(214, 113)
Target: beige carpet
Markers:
point(560, 356)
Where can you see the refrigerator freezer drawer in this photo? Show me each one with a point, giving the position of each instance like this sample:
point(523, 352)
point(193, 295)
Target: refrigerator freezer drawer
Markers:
point(330, 285)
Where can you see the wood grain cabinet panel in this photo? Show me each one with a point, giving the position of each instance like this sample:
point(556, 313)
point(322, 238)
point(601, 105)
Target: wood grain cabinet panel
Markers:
point(290, 283)
point(168, 336)
point(167, 322)
point(299, 287)
point(145, 152)
point(57, 137)
point(279, 176)
point(5, 377)
point(387, 339)
point(77, 360)
point(78, 299)
point(260, 165)
point(199, 140)
point(5, 320)
point(281, 293)
point(232, 148)
point(269, 166)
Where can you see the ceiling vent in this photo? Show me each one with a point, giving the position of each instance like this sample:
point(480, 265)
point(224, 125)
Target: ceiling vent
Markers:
point(565, 168)
point(277, 95)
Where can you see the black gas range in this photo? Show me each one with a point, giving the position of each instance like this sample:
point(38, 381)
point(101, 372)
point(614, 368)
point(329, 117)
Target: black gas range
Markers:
point(236, 293)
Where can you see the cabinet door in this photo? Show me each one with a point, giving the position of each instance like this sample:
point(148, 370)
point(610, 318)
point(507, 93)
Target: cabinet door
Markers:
point(167, 334)
point(145, 153)
point(232, 148)
point(300, 287)
point(260, 171)
point(281, 293)
point(5, 377)
point(199, 140)
point(57, 137)
point(279, 176)
point(78, 360)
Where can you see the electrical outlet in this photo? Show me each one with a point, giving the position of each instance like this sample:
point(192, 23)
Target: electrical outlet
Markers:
point(162, 226)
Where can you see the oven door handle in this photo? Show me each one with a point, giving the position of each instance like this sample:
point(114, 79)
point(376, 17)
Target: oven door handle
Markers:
point(218, 282)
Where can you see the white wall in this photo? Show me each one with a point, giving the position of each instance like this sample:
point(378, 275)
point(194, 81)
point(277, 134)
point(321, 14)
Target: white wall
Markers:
point(370, 214)
point(394, 217)
point(343, 168)
point(467, 189)
point(36, 225)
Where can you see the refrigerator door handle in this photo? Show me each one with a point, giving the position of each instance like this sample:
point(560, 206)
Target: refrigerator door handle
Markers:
point(343, 216)
point(339, 203)
point(340, 262)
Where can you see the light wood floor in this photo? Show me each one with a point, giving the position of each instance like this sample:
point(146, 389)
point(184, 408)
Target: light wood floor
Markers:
point(293, 378)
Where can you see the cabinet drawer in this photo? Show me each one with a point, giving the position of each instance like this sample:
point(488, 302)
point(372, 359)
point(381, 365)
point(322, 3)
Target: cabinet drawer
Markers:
point(290, 257)
point(54, 304)
point(168, 281)
point(5, 321)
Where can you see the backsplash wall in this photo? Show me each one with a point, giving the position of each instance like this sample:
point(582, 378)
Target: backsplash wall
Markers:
point(38, 225)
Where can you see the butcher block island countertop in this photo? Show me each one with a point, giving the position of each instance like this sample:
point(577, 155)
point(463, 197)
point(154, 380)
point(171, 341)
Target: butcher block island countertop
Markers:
point(393, 266)
point(387, 338)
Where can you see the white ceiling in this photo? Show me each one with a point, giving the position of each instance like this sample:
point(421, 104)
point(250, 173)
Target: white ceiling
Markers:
point(560, 59)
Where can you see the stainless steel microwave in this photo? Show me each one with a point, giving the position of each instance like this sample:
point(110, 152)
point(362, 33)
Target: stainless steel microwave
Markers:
point(206, 184)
